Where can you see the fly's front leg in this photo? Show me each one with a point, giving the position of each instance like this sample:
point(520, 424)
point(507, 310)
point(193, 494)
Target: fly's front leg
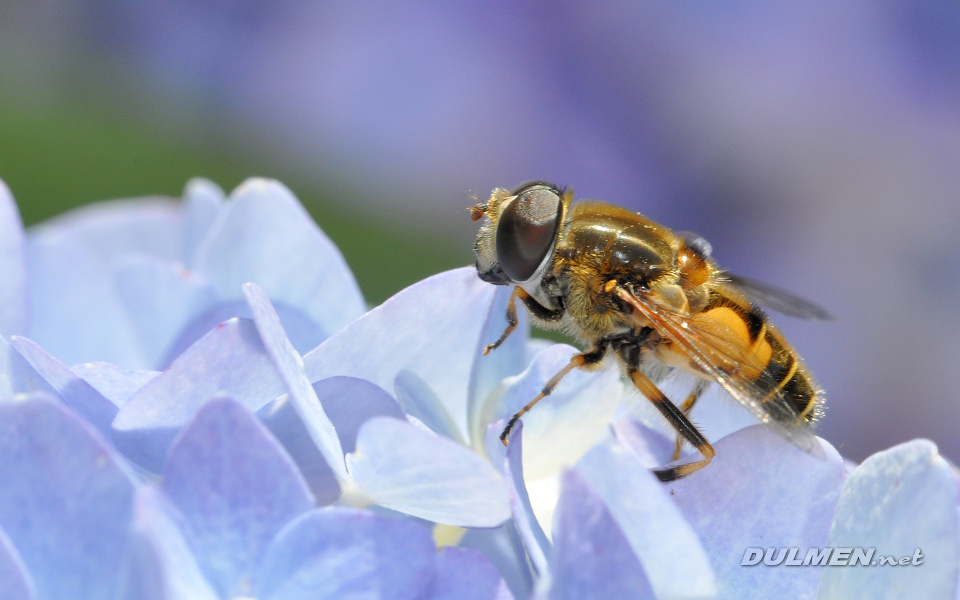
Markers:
point(686, 407)
point(578, 360)
point(680, 422)
point(537, 309)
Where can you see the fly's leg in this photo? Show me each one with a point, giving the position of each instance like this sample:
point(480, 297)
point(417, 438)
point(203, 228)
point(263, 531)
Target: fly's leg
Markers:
point(686, 407)
point(578, 360)
point(680, 422)
point(537, 309)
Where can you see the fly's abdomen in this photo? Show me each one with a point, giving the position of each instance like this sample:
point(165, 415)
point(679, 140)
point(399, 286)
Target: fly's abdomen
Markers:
point(779, 377)
point(787, 381)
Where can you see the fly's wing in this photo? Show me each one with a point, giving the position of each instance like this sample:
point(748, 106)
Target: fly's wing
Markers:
point(767, 295)
point(697, 242)
point(725, 362)
point(778, 299)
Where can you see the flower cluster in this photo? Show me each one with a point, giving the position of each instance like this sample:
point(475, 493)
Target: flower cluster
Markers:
point(235, 425)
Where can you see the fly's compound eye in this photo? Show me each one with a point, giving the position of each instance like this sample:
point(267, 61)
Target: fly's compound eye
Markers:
point(527, 229)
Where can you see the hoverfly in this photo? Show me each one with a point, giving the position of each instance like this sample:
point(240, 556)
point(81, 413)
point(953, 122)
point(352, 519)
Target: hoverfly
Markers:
point(652, 299)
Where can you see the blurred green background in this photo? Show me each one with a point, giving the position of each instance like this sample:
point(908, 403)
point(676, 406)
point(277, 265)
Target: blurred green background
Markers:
point(55, 157)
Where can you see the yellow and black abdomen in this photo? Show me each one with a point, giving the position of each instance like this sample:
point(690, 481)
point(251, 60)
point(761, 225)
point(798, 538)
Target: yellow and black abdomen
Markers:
point(777, 372)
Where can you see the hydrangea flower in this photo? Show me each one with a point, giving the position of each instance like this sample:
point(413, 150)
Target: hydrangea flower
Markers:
point(232, 518)
point(238, 426)
point(136, 282)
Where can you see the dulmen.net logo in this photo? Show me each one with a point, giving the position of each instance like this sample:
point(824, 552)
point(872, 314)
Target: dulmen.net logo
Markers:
point(826, 557)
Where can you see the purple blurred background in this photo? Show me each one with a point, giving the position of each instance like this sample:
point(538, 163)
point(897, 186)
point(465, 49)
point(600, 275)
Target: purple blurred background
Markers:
point(817, 146)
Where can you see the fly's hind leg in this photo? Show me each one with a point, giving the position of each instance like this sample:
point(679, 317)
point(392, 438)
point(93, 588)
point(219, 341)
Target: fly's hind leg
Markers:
point(680, 422)
point(537, 309)
point(686, 407)
point(578, 360)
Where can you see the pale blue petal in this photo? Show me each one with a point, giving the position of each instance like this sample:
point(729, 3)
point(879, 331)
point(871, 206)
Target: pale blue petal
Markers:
point(75, 313)
point(533, 347)
point(284, 422)
point(161, 298)
point(15, 581)
point(348, 554)
point(418, 400)
point(290, 367)
point(75, 392)
point(535, 556)
point(115, 383)
point(230, 360)
point(304, 333)
point(264, 235)
point(16, 374)
point(667, 546)
point(716, 414)
point(66, 499)
point(650, 447)
point(430, 328)
point(142, 573)
point(149, 225)
point(13, 285)
point(497, 545)
point(202, 200)
point(404, 468)
point(350, 402)
point(761, 491)
point(165, 551)
point(488, 371)
point(897, 501)
point(464, 574)
point(592, 558)
point(236, 489)
point(528, 527)
point(851, 465)
point(161, 564)
point(568, 422)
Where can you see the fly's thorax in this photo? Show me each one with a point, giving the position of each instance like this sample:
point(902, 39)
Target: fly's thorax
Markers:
point(620, 243)
point(602, 243)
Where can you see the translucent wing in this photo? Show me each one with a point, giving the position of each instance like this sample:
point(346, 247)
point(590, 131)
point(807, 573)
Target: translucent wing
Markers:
point(770, 296)
point(725, 362)
point(697, 242)
point(778, 299)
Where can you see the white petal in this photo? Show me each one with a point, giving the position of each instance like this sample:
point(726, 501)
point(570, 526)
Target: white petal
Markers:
point(489, 370)
point(430, 328)
point(404, 468)
point(418, 400)
point(562, 426)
